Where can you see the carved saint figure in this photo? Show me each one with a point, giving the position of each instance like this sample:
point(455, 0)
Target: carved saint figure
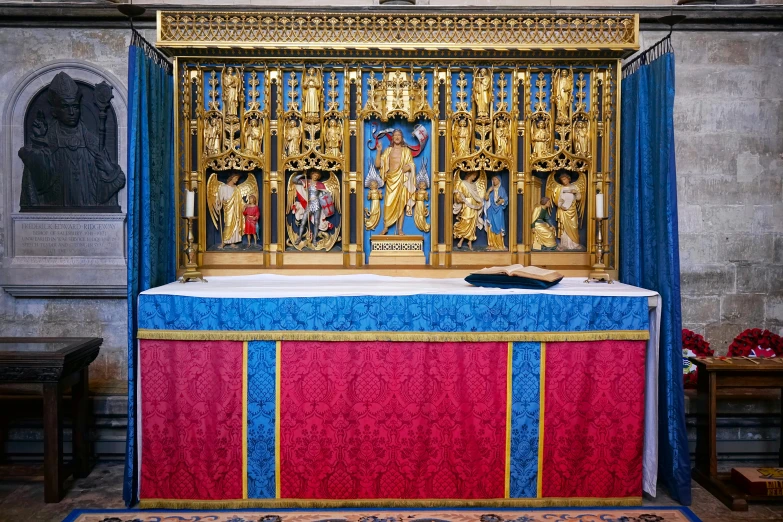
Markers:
point(313, 204)
point(252, 215)
point(497, 201)
point(540, 138)
point(417, 206)
point(468, 206)
point(543, 231)
point(482, 95)
point(397, 171)
point(372, 215)
point(501, 138)
point(563, 92)
point(212, 135)
point(311, 85)
point(421, 210)
point(460, 138)
point(226, 202)
point(254, 136)
point(580, 137)
point(66, 165)
point(333, 138)
point(568, 196)
point(231, 92)
point(293, 138)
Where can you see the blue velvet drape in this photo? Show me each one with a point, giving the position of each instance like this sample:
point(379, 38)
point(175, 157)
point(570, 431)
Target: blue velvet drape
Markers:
point(649, 245)
point(151, 259)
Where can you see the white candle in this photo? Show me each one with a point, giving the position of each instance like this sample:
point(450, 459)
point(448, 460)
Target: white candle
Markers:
point(599, 205)
point(190, 198)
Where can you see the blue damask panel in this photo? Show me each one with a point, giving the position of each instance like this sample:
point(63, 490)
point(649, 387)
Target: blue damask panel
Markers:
point(525, 402)
point(261, 419)
point(412, 313)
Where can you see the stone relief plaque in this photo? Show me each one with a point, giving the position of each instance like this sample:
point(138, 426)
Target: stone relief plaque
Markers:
point(68, 233)
point(68, 167)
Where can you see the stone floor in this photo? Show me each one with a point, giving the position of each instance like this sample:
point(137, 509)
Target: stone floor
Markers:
point(22, 501)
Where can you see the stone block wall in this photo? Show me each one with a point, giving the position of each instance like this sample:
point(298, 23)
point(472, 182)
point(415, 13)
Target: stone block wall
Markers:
point(728, 120)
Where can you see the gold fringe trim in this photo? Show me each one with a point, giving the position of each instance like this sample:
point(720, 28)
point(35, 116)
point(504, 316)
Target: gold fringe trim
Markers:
point(390, 503)
point(272, 335)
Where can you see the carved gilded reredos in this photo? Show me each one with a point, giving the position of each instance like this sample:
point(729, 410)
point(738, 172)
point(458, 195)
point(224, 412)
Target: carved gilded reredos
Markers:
point(382, 31)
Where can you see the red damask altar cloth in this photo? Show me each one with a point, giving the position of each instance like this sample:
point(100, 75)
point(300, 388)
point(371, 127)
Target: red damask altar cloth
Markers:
point(393, 420)
point(191, 411)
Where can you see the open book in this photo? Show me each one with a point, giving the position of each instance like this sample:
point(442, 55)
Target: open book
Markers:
point(530, 272)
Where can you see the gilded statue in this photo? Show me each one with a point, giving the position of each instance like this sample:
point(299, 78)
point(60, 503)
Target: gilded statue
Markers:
point(460, 138)
point(468, 206)
point(501, 138)
point(373, 181)
point(568, 197)
point(231, 85)
point(497, 201)
point(312, 203)
point(254, 136)
point(540, 138)
point(333, 138)
point(482, 93)
point(563, 93)
point(397, 171)
point(543, 232)
point(226, 202)
point(418, 206)
point(212, 134)
point(312, 86)
point(293, 138)
point(65, 163)
point(581, 138)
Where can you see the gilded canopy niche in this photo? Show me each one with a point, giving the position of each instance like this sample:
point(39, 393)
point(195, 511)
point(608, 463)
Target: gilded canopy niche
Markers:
point(370, 140)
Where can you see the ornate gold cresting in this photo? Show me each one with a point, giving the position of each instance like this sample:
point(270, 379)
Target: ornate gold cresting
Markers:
point(415, 31)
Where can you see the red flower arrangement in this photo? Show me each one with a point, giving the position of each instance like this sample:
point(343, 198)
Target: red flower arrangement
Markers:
point(755, 342)
point(693, 345)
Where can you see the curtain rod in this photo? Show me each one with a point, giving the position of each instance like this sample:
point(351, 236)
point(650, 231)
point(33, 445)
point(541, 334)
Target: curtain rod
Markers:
point(150, 50)
point(655, 51)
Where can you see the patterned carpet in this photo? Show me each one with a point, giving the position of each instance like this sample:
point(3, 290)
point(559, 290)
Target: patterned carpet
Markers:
point(642, 514)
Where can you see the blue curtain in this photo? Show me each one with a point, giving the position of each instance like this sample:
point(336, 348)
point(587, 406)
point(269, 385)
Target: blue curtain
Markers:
point(649, 244)
point(151, 256)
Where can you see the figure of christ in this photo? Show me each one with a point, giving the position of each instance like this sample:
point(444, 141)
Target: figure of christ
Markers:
point(397, 171)
point(252, 215)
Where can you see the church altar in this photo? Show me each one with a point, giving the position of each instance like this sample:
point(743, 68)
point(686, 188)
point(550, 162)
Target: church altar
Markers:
point(275, 390)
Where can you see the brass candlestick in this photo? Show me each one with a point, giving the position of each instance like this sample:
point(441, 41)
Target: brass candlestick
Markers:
point(598, 274)
point(191, 267)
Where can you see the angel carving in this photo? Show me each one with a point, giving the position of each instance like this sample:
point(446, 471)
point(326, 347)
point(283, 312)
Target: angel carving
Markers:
point(460, 137)
point(568, 196)
point(226, 202)
point(469, 195)
point(312, 203)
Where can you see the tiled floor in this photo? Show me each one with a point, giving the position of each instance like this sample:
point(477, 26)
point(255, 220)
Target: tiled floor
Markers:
point(23, 501)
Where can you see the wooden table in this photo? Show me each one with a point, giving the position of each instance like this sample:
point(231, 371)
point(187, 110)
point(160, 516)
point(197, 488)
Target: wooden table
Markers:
point(57, 363)
point(716, 373)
